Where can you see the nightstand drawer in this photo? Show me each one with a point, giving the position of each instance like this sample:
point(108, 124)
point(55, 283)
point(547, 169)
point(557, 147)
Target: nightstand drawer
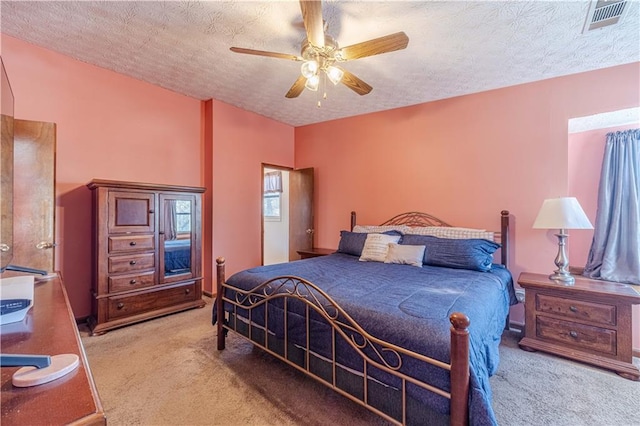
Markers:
point(579, 335)
point(593, 312)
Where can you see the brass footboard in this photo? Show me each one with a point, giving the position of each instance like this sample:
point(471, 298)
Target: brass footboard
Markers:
point(375, 353)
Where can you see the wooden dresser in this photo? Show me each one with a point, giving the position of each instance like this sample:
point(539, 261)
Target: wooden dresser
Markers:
point(589, 321)
point(146, 251)
point(49, 329)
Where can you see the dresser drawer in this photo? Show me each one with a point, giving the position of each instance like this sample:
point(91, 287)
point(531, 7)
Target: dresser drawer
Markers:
point(131, 243)
point(131, 281)
point(594, 312)
point(131, 263)
point(122, 306)
point(570, 333)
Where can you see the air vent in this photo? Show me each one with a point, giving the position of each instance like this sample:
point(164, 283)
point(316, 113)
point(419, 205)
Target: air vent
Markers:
point(603, 13)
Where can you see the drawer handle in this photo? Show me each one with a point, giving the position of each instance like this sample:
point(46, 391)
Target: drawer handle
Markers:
point(151, 211)
point(573, 309)
point(187, 291)
point(133, 281)
point(573, 334)
point(120, 305)
point(132, 262)
point(132, 243)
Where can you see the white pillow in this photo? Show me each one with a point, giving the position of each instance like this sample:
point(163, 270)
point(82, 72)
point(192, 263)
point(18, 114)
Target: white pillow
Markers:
point(376, 247)
point(405, 255)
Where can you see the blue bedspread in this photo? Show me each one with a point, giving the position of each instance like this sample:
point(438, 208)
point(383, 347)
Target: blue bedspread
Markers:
point(410, 307)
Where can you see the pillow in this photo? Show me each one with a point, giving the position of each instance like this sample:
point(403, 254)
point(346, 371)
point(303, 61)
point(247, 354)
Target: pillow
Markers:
point(380, 229)
point(405, 255)
point(376, 247)
point(450, 232)
point(473, 254)
point(353, 242)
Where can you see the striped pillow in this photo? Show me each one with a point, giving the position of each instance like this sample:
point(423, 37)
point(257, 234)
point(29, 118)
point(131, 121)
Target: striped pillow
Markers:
point(380, 229)
point(451, 232)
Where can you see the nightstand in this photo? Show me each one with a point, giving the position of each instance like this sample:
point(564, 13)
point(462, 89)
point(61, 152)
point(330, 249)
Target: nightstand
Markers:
point(589, 321)
point(314, 252)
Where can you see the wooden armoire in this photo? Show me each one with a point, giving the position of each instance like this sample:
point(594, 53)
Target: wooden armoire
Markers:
point(147, 242)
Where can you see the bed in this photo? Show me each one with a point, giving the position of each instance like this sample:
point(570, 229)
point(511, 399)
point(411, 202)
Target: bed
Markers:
point(177, 256)
point(415, 344)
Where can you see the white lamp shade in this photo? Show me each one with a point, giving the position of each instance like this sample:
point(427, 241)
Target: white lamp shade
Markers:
point(562, 213)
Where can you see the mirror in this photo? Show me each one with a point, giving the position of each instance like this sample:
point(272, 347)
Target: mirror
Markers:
point(6, 169)
point(177, 236)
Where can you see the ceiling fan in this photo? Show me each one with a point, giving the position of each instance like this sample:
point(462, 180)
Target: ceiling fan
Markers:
point(320, 53)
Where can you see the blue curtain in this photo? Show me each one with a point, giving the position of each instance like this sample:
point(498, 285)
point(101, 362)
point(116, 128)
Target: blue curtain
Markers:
point(615, 250)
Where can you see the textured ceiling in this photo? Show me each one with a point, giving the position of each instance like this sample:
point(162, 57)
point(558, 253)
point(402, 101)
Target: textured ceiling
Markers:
point(455, 47)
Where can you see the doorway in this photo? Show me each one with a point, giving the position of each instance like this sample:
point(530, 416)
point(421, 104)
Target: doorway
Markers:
point(287, 213)
point(275, 215)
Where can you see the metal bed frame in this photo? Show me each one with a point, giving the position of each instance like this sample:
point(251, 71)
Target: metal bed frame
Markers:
point(374, 352)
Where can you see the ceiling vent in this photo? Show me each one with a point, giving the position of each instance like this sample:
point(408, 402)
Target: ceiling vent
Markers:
point(603, 13)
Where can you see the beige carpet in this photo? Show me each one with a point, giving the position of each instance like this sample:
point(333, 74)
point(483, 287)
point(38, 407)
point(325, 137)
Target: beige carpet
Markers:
point(168, 371)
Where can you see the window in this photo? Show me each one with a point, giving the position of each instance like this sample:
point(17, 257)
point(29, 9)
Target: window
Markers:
point(183, 216)
point(272, 200)
point(272, 206)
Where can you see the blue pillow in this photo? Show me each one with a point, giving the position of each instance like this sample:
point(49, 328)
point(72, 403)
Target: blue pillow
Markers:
point(472, 254)
point(353, 242)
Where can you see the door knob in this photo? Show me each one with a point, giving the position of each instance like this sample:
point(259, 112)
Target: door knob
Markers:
point(42, 245)
point(310, 231)
point(4, 247)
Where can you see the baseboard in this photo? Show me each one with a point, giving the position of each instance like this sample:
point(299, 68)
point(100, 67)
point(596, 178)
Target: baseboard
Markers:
point(208, 293)
point(636, 353)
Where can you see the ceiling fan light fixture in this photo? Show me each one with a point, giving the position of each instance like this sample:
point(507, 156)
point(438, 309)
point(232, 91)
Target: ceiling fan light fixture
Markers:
point(309, 69)
point(335, 74)
point(312, 83)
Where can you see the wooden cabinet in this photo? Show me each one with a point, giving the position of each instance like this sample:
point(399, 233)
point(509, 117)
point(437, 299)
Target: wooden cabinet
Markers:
point(49, 329)
point(314, 252)
point(146, 251)
point(589, 321)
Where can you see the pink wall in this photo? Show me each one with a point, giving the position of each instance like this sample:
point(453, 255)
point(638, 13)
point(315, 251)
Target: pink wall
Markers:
point(108, 126)
point(462, 159)
point(242, 141)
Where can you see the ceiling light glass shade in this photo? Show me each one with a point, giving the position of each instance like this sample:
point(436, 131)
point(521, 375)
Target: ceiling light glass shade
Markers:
point(312, 83)
point(335, 74)
point(309, 69)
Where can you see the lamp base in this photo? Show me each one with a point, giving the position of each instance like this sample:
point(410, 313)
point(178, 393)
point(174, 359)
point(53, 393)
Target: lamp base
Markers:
point(562, 274)
point(562, 278)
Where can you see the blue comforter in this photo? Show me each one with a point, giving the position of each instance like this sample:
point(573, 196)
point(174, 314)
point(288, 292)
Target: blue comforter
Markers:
point(410, 307)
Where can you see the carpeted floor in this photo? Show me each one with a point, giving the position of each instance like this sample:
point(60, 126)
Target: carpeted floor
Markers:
point(167, 371)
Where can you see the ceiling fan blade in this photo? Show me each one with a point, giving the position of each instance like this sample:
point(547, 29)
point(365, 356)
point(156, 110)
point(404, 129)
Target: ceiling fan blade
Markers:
point(354, 83)
point(376, 46)
point(312, 17)
point(297, 88)
point(264, 53)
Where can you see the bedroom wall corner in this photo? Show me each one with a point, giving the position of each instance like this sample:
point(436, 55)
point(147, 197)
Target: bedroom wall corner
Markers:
point(242, 142)
point(109, 126)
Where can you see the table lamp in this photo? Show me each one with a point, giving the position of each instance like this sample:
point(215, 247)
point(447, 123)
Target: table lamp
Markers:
point(562, 214)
